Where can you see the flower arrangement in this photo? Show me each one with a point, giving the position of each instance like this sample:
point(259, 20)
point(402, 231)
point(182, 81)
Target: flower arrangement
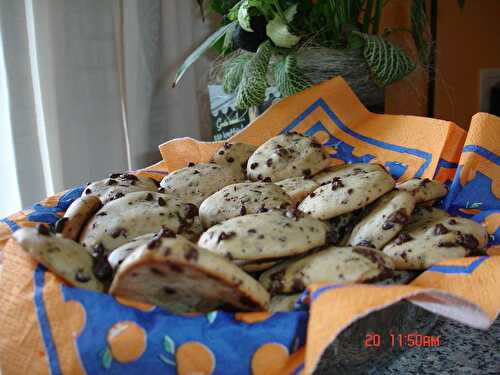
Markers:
point(262, 41)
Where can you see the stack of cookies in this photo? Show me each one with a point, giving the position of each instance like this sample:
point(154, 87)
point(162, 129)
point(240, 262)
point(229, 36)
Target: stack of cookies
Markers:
point(250, 230)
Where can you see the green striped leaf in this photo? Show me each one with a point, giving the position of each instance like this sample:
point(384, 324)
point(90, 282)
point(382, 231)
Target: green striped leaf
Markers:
point(233, 71)
point(288, 76)
point(387, 62)
point(252, 88)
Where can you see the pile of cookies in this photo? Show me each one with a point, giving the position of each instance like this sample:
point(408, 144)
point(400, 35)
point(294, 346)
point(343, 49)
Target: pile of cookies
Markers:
point(250, 230)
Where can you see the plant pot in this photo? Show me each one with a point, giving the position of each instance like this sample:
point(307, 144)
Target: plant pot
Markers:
point(318, 64)
point(321, 64)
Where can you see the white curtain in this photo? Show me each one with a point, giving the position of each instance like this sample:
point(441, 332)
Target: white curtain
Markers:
point(85, 89)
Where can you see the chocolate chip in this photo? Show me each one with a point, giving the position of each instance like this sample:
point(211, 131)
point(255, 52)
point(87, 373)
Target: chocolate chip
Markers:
point(387, 225)
point(254, 165)
point(101, 214)
point(60, 224)
point(81, 277)
point(452, 222)
point(447, 244)
point(350, 191)
point(468, 241)
point(149, 197)
point(190, 210)
point(168, 290)
point(101, 268)
point(252, 230)
point(129, 176)
point(112, 182)
point(227, 146)
point(374, 256)
point(440, 229)
point(267, 179)
point(161, 202)
point(260, 177)
point(225, 236)
point(337, 183)
point(166, 233)
point(365, 243)
point(118, 195)
point(282, 152)
point(119, 232)
point(154, 244)
point(306, 172)
point(398, 217)
point(269, 162)
point(43, 230)
point(402, 238)
point(230, 159)
point(262, 209)
point(243, 210)
point(192, 254)
point(425, 181)
point(298, 285)
point(312, 195)
point(190, 164)
point(156, 271)
point(88, 191)
point(221, 152)
point(114, 175)
point(98, 250)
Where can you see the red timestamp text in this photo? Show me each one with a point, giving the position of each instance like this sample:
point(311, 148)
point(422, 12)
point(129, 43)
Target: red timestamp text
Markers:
point(401, 340)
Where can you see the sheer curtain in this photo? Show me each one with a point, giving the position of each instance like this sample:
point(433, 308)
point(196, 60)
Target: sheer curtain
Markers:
point(85, 89)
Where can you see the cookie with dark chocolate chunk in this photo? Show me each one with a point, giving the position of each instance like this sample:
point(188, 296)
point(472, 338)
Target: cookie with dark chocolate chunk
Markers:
point(181, 277)
point(287, 155)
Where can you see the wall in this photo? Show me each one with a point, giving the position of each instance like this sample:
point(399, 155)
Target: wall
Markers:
point(466, 42)
point(408, 96)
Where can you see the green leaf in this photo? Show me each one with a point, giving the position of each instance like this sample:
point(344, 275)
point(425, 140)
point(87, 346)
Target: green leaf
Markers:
point(244, 17)
point(233, 71)
point(290, 12)
point(168, 344)
point(233, 12)
point(106, 359)
point(209, 42)
point(387, 62)
point(228, 38)
point(211, 316)
point(166, 360)
point(288, 76)
point(278, 32)
point(252, 88)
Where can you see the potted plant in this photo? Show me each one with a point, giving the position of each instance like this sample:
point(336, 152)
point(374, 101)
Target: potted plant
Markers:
point(291, 44)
